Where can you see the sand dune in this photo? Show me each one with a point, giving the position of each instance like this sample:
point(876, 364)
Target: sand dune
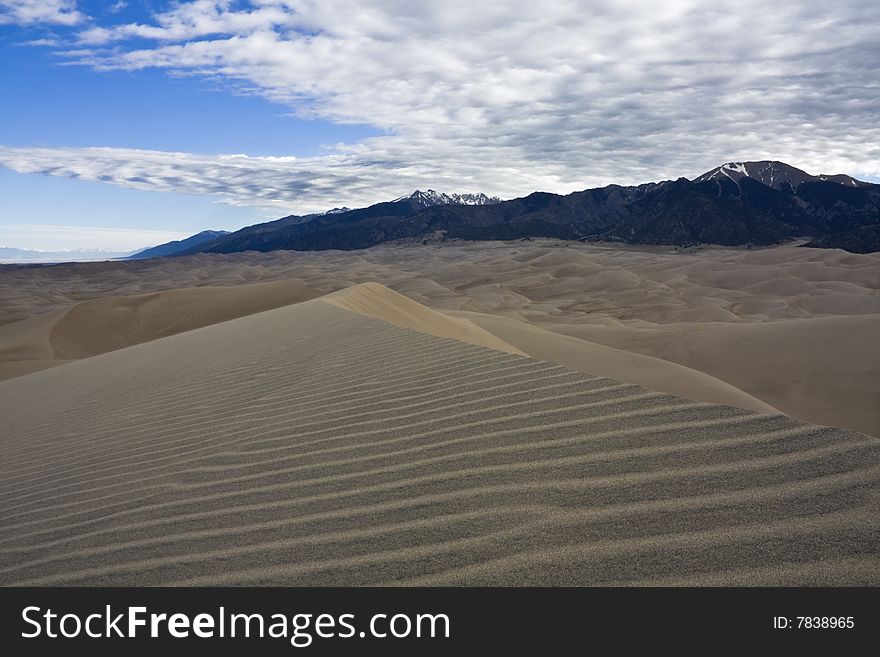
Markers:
point(105, 324)
point(311, 444)
point(379, 302)
point(598, 359)
point(511, 336)
point(26, 345)
point(711, 310)
point(784, 363)
point(113, 322)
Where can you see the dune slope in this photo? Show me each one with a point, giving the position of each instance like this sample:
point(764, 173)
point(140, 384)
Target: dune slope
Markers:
point(26, 345)
point(313, 445)
point(743, 318)
point(99, 325)
point(819, 369)
point(379, 302)
point(618, 364)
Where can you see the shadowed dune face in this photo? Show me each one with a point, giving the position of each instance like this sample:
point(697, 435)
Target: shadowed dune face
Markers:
point(25, 345)
point(313, 445)
point(105, 324)
point(93, 327)
point(789, 328)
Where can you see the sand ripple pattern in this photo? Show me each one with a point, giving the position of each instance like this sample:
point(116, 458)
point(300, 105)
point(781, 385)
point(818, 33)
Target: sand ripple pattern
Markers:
point(310, 445)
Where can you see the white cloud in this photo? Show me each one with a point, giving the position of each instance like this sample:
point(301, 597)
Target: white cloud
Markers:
point(506, 97)
point(40, 43)
point(355, 176)
point(59, 12)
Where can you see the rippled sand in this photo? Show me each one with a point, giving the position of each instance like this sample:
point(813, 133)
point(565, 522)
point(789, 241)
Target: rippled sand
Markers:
point(338, 441)
point(786, 328)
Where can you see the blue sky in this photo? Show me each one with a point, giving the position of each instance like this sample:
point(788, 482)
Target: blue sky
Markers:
point(56, 213)
point(55, 104)
point(121, 118)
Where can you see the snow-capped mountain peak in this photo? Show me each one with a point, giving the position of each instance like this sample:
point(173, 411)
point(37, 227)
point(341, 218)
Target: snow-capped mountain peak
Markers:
point(433, 197)
point(777, 175)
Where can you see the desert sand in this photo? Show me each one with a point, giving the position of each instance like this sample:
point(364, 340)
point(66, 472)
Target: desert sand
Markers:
point(93, 327)
point(519, 413)
point(318, 443)
point(785, 328)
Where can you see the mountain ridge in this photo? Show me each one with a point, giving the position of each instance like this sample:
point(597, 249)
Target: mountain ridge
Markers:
point(777, 175)
point(725, 206)
point(431, 197)
point(175, 246)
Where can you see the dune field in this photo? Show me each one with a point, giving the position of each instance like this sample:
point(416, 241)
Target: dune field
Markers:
point(785, 328)
point(520, 413)
point(318, 443)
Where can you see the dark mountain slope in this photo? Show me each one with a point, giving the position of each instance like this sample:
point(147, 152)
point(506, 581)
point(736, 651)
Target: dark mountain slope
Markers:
point(864, 239)
point(175, 247)
point(772, 203)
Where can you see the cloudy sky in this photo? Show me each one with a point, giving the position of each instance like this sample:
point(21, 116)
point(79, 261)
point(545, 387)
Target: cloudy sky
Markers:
point(143, 115)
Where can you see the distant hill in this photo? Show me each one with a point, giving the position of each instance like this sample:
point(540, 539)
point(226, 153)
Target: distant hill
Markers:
point(175, 247)
point(738, 203)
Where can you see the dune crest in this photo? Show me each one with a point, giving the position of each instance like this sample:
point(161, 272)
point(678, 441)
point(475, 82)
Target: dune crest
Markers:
point(802, 353)
point(379, 302)
point(625, 366)
point(511, 336)
point(793, 327)
point(311, 445)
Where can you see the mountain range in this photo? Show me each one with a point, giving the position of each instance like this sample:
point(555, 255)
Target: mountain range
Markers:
point(171, 248)
point(432, 197)
point(737, 203)
point(777, 175)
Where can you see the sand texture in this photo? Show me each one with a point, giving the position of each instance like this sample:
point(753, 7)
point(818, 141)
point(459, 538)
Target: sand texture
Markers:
point(785, 328)
point(379, 302)
point(107, 323)
point(319, 444)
